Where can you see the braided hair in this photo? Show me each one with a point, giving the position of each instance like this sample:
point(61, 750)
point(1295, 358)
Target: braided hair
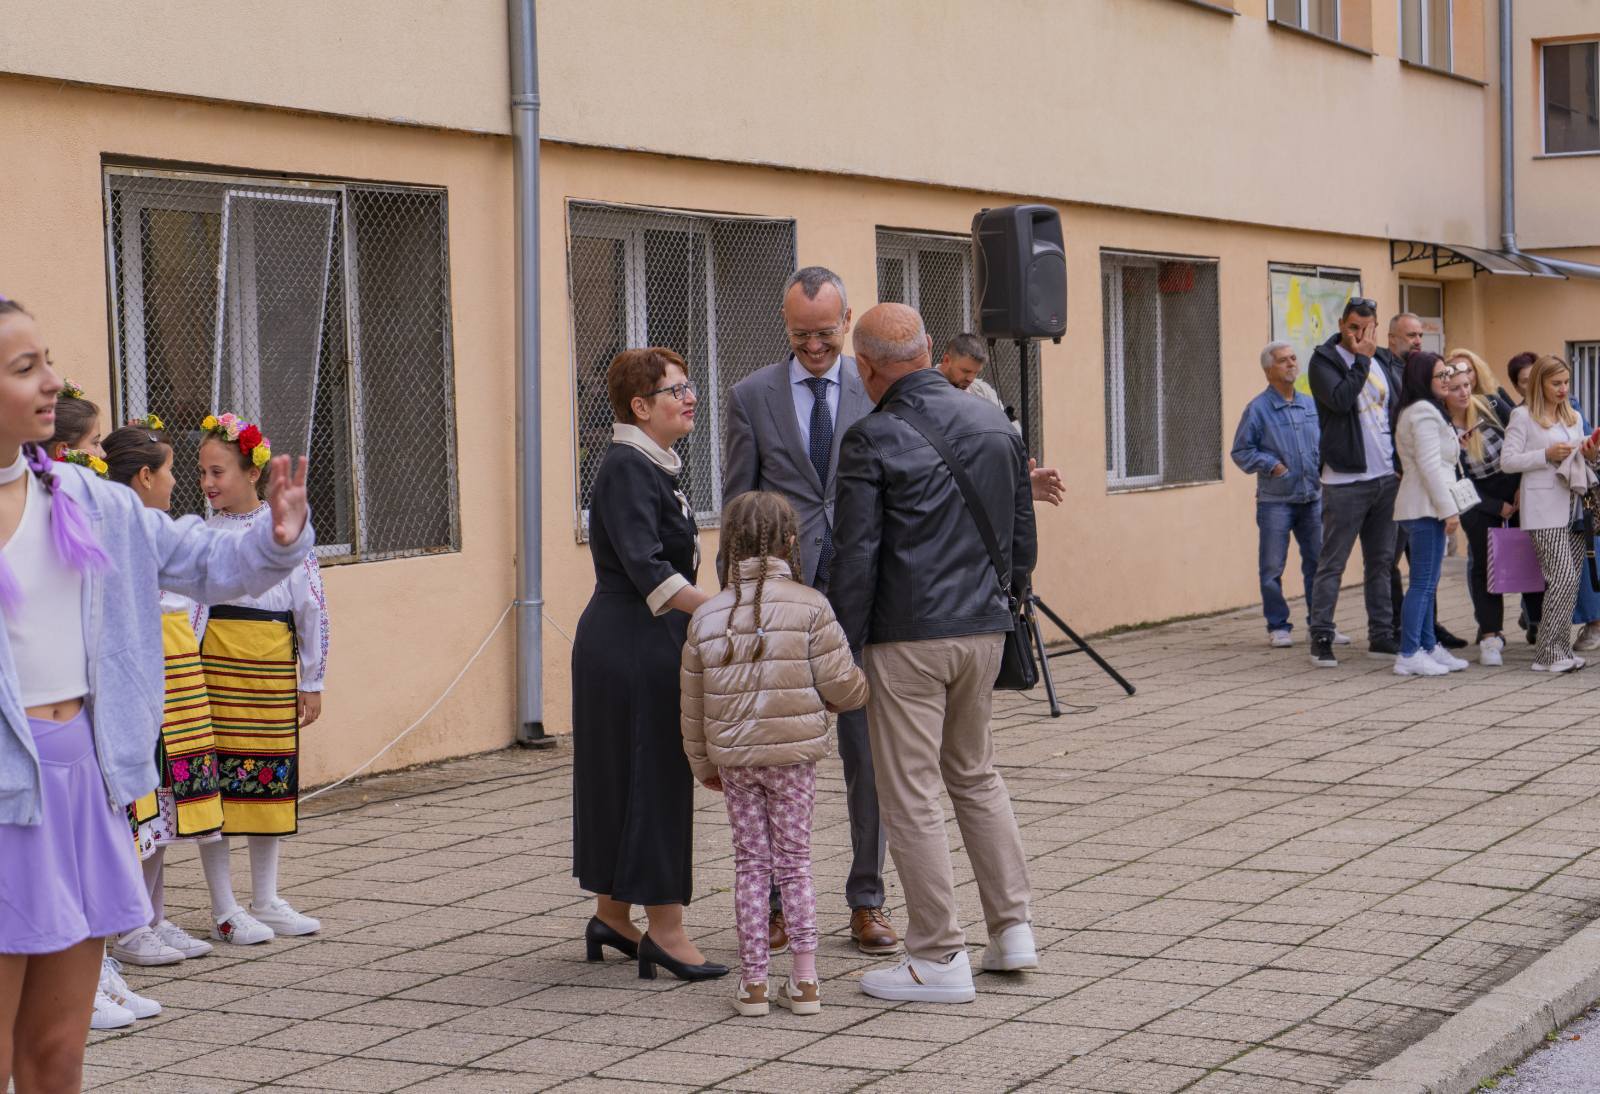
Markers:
point(71, 534)
point(759, 525)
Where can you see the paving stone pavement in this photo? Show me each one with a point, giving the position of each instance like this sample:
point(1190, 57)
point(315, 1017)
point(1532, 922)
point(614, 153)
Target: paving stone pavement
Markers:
point(1253, 876)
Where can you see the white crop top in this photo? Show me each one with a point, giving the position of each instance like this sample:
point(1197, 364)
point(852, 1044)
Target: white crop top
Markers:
point(46, 631)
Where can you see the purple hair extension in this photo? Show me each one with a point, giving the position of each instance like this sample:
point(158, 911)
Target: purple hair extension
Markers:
point(70, 532)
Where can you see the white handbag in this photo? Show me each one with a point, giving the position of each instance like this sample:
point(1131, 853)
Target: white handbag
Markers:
point(1465, 494)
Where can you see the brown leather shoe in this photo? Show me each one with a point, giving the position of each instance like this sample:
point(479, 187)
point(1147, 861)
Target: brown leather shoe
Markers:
point(777, 934)
point(872, 931)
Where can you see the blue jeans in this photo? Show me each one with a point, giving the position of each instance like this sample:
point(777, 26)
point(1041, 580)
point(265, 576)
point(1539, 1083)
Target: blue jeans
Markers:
point(1426, 536)
point(1277, 519)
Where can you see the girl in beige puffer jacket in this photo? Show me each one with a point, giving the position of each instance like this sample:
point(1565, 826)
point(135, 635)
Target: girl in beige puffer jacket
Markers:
point(764, 663)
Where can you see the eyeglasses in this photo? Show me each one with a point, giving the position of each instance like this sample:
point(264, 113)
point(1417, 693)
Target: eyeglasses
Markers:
point(1445, 375)
point(677, 391)
point(827, 334)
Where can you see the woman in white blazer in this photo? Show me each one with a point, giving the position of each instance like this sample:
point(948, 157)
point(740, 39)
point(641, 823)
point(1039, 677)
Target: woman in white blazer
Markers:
point(1426, 445)
point(1542, 433)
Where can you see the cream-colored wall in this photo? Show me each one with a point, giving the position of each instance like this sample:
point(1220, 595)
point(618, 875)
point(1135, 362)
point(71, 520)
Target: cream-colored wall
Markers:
point(1558, 197)
point(1147, 104)
point(402, 629)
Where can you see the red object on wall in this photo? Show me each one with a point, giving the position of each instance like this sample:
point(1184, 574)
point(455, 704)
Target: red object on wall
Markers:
point(1176, 277)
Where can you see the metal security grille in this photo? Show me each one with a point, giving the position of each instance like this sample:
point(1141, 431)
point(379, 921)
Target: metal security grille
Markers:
point(319, 310)
point(1585, 358)
point(932, 272)
point(1163, 370)
point(709, 287)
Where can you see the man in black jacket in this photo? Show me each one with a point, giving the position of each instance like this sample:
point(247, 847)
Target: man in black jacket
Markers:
point(915, 589)
point(1357, 391)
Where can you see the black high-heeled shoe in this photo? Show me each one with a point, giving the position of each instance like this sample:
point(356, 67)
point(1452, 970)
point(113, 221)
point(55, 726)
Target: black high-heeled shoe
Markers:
point(599, 933)
point(651, 955)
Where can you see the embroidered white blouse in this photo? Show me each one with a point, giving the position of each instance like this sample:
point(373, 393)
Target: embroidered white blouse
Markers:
point(301, 595)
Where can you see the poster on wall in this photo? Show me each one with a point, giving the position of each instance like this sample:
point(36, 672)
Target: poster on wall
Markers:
point(1306, 304)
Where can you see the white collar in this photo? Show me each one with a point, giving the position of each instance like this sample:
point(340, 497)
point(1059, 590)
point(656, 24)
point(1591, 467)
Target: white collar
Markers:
point(798, 373)
point(15, 471)
point(634, 437)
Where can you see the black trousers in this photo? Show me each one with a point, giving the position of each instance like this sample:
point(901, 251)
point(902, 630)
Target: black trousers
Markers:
point(1489, 609)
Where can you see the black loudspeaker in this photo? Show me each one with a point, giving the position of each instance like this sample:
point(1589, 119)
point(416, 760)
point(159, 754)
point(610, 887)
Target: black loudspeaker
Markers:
point(1021, 266)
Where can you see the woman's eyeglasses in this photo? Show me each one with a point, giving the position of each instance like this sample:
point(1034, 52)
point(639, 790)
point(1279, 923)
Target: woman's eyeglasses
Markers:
point(677, 391)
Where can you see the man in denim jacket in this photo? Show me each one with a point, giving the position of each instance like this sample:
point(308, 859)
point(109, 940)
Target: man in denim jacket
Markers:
point(1279, 441)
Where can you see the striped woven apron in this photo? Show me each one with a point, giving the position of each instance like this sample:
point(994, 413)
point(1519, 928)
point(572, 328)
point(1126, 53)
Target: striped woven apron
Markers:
point(186, 752)
point(249, 661)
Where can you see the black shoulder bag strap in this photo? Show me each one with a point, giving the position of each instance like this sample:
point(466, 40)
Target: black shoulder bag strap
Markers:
point(969, 494)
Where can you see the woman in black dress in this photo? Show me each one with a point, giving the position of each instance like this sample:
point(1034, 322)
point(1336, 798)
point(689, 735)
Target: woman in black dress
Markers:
point(632, 792)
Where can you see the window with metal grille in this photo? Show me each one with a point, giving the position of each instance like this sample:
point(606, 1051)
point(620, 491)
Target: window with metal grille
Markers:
point(321, 311)
point(1163, 370)
point(709, 287)
point(1425, 32)
point(1571, 97)
point(1316, 16)
point(932, 272)
point(1585, 358)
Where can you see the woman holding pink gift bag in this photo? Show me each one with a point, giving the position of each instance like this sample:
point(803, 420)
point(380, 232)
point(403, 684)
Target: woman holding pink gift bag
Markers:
point(1542, 434)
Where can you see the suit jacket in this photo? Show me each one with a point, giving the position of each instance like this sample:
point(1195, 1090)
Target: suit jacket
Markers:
point(762, 448)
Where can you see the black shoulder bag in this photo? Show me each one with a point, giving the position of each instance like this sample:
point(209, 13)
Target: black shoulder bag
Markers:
point(1018, 670)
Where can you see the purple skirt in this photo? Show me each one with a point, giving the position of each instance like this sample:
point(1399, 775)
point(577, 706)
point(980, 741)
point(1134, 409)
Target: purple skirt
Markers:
point(75, 875)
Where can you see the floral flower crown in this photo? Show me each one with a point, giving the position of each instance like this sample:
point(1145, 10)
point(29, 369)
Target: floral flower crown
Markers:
point(70, 390)
point(149, 422)
point(84, 459)
point(230, 428)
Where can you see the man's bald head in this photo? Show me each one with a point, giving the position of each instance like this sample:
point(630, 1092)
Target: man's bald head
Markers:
point(890, 342)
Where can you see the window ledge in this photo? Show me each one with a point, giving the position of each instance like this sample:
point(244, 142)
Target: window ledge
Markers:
point(1567, 155)
point(1151, 488)
point(1418, 66)
point(1290, 28)
point(1211, 5)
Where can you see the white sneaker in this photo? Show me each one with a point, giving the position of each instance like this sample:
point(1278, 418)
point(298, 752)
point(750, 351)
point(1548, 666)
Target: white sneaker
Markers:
point(1280, 640)
point(1340, 638)
point(181, 940)
point(1418, 664)
point(285, 920)
point(1566, 664)
point(1588, 638)
point(923, 981)
point(1444, 657)
point(1013, 951)
point(115, 988)
point(145, 947)
point(1490, 650)
point(242, 929)
point(109, 1015)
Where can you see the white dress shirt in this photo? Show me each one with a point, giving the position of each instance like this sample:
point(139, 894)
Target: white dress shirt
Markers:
point(804, 400)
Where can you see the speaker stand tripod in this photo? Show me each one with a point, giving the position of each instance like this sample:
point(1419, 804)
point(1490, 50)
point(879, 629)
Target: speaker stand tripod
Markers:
point(1033, 606)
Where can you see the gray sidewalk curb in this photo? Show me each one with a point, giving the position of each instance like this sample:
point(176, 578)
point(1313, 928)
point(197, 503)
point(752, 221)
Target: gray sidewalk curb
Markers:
point(1497, 1030)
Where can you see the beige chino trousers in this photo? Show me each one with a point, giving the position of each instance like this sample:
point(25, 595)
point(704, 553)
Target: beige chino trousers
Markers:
point(928, 717)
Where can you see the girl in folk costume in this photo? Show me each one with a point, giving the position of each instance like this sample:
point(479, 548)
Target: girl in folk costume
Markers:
point(263, 658)
point(187, 805)
point(77, 432)
point(80, 696)
point(764, 662)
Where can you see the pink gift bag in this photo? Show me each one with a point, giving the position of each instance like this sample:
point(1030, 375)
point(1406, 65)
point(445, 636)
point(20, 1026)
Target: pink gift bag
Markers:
point(1513, 566)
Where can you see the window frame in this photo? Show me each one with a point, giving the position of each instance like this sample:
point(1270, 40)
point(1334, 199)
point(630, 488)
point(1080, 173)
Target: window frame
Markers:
point(1544, 98)
point(907, 245)
point(1425, 34)
point(1302, 10)
point(1584, 356)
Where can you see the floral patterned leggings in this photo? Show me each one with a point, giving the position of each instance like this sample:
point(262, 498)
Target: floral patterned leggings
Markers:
point(769, 810)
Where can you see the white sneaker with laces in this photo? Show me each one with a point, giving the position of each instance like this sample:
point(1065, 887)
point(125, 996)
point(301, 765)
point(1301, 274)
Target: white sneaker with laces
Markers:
point(115, 988)
point(1588, 638)
point(1490, 650)
point(1566, 664)
point(1013, 951)
point(242, 929)
point(1418, 664)
point(145, 947)
point(1280, 640)
point(923, 981)
point(109, 1015)
point(285, 920)
point(1450, 661)
point(1340, 638)
point(181, 940)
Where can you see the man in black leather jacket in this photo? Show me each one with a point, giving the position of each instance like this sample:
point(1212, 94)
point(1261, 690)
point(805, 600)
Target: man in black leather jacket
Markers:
point(916, 591)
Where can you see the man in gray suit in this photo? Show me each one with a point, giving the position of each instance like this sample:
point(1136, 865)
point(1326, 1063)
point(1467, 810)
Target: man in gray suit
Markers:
point(783, 429)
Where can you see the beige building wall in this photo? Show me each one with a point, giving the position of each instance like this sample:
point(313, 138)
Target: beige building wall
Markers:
point(1558, 197)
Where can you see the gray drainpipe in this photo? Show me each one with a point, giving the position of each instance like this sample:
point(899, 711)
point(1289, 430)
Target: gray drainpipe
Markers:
point(1508, 162)
point(530, 494)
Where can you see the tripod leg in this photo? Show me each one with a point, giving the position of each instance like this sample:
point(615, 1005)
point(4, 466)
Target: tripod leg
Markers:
point(1081, 644)
point(1044, 660)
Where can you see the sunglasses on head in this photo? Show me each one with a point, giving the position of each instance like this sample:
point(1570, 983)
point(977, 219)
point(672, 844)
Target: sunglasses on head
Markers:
point(1360, 303)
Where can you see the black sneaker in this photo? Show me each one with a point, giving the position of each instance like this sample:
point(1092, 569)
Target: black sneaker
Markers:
point(1322, 652)
point(1383, 647)
point(1448, 640)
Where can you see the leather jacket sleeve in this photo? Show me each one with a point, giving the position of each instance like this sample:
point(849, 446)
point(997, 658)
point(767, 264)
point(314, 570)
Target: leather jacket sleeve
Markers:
point(1338, 389)
point(858, 537)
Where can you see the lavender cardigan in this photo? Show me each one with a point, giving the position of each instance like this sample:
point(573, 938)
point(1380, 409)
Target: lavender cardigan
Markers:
point(122, 628)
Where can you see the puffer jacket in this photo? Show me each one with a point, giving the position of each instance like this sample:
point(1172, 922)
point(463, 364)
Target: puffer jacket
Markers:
point(741, 712)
